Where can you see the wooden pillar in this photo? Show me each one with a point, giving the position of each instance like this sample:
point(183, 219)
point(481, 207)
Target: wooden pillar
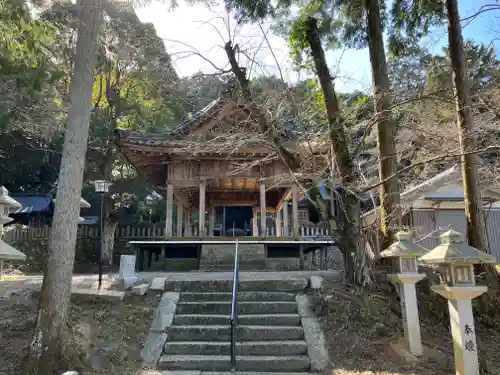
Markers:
point(295, 211)
point(278, 223)
point(255, 228)
point(286, 231)
point(202, 209)
point(211, 221)
point(262, 209)
point(180, 209)
point(168, 220)
point(187, 224)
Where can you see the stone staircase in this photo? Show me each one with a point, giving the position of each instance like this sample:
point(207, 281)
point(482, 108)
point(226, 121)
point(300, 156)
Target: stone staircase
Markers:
point(269, 336)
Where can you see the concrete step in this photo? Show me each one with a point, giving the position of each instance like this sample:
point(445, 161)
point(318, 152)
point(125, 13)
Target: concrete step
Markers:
point(243, 333)
point(217, 286)
point(243, 363)
point(249, 320)
point(274, 348)
point(242, 297)
point(268, 307)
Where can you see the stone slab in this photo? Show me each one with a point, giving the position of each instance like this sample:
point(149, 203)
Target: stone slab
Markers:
point(93, 294)
point(127, 266)
point(153, 348)
point(158, 284)
point(141, 289)
point(313, 335)
point(165, 313)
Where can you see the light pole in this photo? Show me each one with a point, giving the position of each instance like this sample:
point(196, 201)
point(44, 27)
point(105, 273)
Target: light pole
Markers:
point(101, 187)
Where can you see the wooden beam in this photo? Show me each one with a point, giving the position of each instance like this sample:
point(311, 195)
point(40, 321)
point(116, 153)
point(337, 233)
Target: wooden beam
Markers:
point(262, 209)
point(283, 199)
point(202, 209)
point(278, 224)
point(180, 210)
point(187, 224)
point(286, 230)
point(295, 211)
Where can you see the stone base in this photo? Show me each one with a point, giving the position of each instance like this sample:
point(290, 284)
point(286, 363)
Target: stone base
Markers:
point(221, 257)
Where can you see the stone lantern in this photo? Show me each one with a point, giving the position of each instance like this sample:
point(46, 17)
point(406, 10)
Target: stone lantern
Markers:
point(456, 260)
point(7, 205)
point(405, 253)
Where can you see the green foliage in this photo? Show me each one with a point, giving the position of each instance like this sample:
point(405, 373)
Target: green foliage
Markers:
point(411, 20)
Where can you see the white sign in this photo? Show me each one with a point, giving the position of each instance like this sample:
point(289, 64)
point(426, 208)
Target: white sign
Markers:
point(127, 269)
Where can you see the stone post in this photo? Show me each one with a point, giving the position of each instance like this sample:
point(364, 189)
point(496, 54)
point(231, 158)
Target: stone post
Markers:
point(405, 252)
point(456, 267)
point(7, 205)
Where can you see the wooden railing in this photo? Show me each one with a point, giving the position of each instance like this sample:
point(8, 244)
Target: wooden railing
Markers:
point(15, 234)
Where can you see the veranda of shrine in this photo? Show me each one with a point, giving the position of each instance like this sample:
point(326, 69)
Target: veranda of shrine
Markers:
point(217, 161)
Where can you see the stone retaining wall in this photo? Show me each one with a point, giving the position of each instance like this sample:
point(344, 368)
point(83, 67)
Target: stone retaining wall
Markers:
point(215, 256)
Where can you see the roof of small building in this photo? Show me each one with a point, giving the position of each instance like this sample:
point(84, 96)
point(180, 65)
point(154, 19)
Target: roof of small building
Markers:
point(32, 203)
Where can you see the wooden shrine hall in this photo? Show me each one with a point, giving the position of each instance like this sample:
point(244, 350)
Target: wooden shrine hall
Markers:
point(220, 176)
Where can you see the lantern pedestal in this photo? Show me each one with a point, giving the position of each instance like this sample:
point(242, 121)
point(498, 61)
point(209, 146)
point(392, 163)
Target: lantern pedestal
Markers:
point(409, 309)
point(462, 325)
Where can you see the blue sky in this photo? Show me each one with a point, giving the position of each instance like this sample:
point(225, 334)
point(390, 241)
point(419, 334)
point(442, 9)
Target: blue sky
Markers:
point(194, 35)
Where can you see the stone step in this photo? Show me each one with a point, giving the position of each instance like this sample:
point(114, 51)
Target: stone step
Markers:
point(197, 372)
point(249, 320)
point(243, 333)
point(216, 286)
point(274, 348)
point(243, 363)
point(224, 267)
point(267, 307)
point(242, 297)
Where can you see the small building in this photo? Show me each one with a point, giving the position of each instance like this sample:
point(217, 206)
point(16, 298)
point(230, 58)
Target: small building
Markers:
point(217, 166)
point(227, 181)
point(442, 210)
point(436, 206)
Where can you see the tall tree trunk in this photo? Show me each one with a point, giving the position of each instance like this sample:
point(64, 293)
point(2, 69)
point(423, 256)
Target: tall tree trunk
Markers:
point(341, 159)
point(50, 341)
point(476, 225)
point(390, 213)
point(265, 127)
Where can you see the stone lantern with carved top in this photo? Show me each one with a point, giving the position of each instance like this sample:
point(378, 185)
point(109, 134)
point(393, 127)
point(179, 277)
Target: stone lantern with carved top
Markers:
point(456, 261)
point(7, 205)
point(405, 253)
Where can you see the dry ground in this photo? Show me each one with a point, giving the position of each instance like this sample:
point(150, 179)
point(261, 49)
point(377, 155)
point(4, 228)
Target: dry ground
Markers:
point(110, 334)
point(364, 336)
